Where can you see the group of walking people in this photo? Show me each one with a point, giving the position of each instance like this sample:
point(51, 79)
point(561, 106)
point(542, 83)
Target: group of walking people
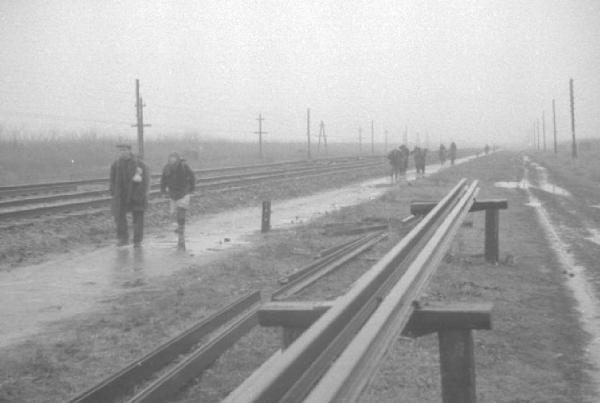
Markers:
point(447, 154)
point(398, 159)
point(130, 186)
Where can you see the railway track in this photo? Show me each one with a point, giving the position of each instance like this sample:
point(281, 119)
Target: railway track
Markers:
point(204, 342)
point(100, 199)
point(15, 191)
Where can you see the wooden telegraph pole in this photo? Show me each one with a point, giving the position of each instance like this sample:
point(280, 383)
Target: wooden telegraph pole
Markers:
point(537, 129)
point(574, 145)
point(359, 140)
point(386, 142)
point(139, 109)
point(544, 128)
point(308, 133)
point(372, 138)
point(554, 126)
point(260, 133)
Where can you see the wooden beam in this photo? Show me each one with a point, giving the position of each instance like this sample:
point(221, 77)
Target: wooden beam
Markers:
point(424, 207)
point(431, 318)
point(292, 314)
point(457, 366)
point(492, 236)
point(449, 316)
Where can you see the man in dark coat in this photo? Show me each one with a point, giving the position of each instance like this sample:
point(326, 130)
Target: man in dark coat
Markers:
point(420, 156)
point(395, 158)
point(129, 185)
point(452, 152)
point(180, 180)
point(442, 154)
point(405, 154)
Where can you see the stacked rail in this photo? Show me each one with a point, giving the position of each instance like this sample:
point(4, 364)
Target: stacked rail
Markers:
point(341, 343)
point(332, 349)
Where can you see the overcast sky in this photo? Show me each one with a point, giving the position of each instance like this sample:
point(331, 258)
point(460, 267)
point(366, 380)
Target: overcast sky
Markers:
point(450, 70)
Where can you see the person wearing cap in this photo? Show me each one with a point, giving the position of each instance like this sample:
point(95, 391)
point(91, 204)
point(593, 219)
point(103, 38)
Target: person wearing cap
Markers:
point(180, 181)
point(129, 185)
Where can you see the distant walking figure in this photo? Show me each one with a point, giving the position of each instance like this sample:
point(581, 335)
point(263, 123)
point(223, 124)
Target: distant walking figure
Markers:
point(420, 156)
point(486, 149)
point(452, 152)
point(442, 154)
point(129, 184)
point(396, 158)
point(179, 179)
point(405, 154)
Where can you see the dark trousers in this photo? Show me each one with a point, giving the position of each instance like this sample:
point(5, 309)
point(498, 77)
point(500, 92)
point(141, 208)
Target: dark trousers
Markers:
point(138, 226)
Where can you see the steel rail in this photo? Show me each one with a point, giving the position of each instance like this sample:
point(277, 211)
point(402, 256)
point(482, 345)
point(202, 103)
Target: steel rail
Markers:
point(123, 381)
point(320, 365)
point(271, 383)
point(103, 201)
point(351, 372)
point(340, 258)
point(324, 259)
point(192, 366)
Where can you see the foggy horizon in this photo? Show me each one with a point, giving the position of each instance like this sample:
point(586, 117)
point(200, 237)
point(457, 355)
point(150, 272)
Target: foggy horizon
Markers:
point(474, 72)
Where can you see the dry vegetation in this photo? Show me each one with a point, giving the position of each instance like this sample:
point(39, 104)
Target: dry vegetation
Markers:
point(67, 156)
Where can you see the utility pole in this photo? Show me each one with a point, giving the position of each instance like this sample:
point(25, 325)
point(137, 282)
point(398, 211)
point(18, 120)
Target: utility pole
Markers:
point(372, 138)
point(574, 145)
point(323, 136)
point(308, 133)
point(359, 140)
point(544, 128)
point(386, 142)
point(539, 137)
point(554, 125)
point(260, 133)
point(139, 112)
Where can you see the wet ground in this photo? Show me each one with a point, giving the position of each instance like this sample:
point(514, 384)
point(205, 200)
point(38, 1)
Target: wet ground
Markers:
point(32, 296)
point(567, 229)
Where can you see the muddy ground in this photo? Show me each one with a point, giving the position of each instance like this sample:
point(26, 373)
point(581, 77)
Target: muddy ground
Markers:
point(535, 353)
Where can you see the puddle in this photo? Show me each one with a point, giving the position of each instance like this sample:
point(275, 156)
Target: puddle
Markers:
point(588, 303)
point(594, 236)
point(533, 203)
point(543, 183)
point(79, 282)
point(512, 185)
